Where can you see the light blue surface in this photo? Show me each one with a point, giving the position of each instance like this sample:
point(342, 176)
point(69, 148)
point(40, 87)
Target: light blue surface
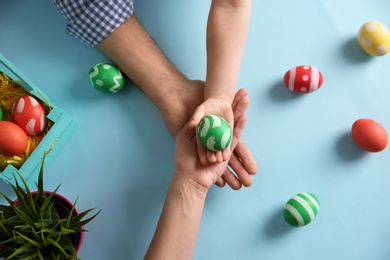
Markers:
point(120, 158)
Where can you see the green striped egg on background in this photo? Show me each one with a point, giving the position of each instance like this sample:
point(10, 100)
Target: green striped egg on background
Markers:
point(215, 133)
point(106, 77)
point(301, 209)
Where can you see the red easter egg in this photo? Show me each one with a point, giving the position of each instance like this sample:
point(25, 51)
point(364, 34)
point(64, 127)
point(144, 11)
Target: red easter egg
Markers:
point(369, 135)
point(29, 114)
point(13, 140)
point(303, 79)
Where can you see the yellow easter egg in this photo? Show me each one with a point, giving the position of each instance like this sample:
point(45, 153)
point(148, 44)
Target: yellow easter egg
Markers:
point(374, 38)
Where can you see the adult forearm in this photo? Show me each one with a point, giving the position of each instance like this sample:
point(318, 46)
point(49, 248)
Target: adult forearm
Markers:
point(176, 233)
point(132, 49)
point(227, 30)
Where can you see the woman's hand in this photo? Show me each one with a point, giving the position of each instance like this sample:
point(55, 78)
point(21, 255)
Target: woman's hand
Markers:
point(187, 161)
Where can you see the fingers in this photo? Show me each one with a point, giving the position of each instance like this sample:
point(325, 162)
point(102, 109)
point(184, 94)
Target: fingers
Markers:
point(225, 154)
point(197, 116)
point(238, 130)
point(240, 105)
point(237, 176)
point(242, 165)
point(205, 155)
point(242, 174)
point(220, 182)
point(245, 157)
point(239, 95)
point(241, 162)
point(230, 179)
point(202, 152)
point(215, 157)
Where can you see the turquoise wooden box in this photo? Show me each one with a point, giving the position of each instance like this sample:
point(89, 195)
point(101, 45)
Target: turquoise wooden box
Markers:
point(62, 129)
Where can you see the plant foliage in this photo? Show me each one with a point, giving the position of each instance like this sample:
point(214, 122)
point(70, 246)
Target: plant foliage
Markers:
point(32, 227)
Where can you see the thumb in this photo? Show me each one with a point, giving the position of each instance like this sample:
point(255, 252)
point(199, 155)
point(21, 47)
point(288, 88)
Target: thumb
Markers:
point(187, 131)
point(197, 116)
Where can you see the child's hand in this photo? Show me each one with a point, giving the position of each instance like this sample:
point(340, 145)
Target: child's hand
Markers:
point(188, 167)
point(212, 107)
point(242, 164)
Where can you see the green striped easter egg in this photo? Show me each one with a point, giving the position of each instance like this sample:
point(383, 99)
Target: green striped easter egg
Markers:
point(301, 209)
point(106, 77)
point(215, 133)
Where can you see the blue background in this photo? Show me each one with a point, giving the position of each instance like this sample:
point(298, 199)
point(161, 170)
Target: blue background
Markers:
point(120, 158)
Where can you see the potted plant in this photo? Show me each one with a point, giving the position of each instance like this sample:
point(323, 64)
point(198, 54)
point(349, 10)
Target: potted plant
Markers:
point(40, 224)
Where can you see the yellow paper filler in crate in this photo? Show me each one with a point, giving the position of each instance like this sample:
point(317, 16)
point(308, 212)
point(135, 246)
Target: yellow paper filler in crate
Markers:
point(58, 128)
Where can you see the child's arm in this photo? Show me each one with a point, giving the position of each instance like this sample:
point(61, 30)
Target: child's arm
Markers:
point(176, 232)
point(227, 30)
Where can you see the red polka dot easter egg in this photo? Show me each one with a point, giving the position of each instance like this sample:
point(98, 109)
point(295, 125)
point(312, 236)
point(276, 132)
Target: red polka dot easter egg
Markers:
point(303, 79)
point(29, 114)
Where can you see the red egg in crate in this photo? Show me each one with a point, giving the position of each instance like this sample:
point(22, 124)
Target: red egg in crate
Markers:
point(29, 114)
point(303, 79)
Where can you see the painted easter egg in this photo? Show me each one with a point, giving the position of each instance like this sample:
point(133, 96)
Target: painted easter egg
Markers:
point(303, 79)
point(1, 114)
point(369, 135)
point(374, 38)
point(106, 77)
point(301, 209)
point(13, 140)
point(29, 114)
point(215, 133)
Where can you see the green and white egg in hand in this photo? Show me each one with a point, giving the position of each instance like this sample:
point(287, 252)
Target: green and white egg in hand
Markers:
point(215, 133)
point(106, 77)
point(301, 209)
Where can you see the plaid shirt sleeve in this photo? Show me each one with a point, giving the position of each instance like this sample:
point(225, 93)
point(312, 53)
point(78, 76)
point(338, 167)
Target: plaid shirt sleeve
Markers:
point(91, 21)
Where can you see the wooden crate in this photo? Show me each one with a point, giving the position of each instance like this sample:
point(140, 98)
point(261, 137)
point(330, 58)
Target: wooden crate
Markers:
point(61, 129)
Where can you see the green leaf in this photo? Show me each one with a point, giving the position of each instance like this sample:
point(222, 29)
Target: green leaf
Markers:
point(78, 220)
point(56, 244)
point(26, 248)
point(25, 198)
point(47, 201)
point(41, 190)
point(23, 215)
point(36, 255)
point(32, 242)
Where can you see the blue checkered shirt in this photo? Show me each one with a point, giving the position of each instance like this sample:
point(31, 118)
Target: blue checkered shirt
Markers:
point(91, 21)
